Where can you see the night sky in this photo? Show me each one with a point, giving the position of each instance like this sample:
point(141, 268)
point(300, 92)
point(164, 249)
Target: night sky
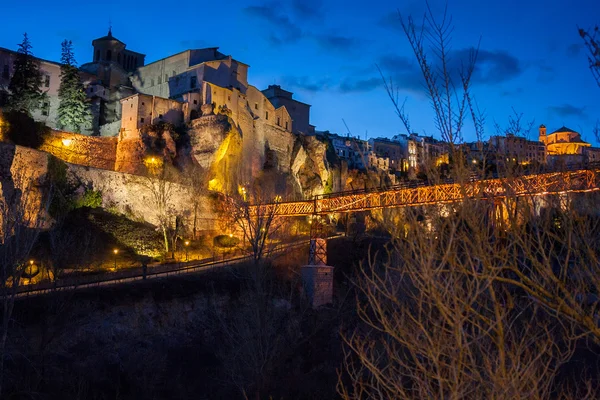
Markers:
point(531, 56)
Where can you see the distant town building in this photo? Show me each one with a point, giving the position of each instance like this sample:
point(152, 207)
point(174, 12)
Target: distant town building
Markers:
point(517, 149)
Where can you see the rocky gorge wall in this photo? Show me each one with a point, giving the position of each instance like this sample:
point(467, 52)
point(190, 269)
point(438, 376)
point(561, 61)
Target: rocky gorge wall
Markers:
point(26, 170)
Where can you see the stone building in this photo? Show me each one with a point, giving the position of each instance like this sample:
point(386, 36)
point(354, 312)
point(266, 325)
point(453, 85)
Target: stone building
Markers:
point(395, 151)
point(517, 149)
point(565, 146)
point(350, 149)
point(113, 65)
point(299, 112)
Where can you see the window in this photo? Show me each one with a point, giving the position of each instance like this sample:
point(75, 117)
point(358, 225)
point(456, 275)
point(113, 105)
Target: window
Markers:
point(278, 121)
point(173, 73)
point(286, 124)
point(159, 79)
point(142, 120)
point(193, 81)
point(97, 55)
point(266, 115)
point(131, 105)
point(166, 78)
point(91, 89)
point(47, 81)
point(195, 101)
point(256, 106)
point(143, 103)
point(160, 116)
point(108, 55)
point(229, 98)
point(5, 71)
point(45, 108)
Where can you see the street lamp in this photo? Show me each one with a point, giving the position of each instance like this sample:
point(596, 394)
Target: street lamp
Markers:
point(187, 243)
point(116, 251)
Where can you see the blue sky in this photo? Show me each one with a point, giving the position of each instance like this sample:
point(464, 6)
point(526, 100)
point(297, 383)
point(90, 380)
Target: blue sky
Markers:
point(531, 57)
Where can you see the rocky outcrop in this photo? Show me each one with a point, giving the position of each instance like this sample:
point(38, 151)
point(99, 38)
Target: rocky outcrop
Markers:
point(309, 166)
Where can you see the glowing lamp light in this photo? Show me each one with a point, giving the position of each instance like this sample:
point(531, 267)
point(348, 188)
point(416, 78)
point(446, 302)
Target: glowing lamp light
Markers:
point(187, 242)
point(67, 142)
point(116, 251)
point(30, 262)
point(231, 235)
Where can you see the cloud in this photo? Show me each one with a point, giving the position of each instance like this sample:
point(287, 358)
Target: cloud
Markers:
point(348, 84)
point(289, 22)
point(310, 9)
point(336, 42)
point(193, 44)
point(491, 67)
point(352, 85)
point(568, 111)
point(308, 84)
point(574, 49)
point(512, 93)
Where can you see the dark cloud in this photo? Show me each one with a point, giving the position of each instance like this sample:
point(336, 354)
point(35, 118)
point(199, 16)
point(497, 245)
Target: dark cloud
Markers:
point(349, 85)
point(491, 67)
point(574, 49)
point(291, 21)
point(284, 30)
point(512, 93)
point(336, 42)
point(568, 111)
point(307, 83)
point(194, 44)
point(310, 9)
point(546, 73)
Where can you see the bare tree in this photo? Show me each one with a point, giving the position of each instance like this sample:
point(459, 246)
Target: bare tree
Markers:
point(159, 182)
point(591, 39)
point(254, 211)
point(454, 310)
point(477, 299)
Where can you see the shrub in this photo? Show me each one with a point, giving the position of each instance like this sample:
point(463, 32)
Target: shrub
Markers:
point(90, 198)
point(225, 241)
point(23, 130)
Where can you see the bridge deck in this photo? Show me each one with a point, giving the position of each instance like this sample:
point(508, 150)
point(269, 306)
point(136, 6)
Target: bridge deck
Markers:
point(582, 180)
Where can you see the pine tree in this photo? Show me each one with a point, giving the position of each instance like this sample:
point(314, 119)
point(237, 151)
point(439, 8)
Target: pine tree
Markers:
point(25, 84)
point(73, 110)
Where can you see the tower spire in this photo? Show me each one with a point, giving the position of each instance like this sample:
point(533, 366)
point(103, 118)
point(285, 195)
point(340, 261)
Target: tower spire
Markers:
point(110, 27)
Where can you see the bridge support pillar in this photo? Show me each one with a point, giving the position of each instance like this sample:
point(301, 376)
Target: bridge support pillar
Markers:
point(317, 277)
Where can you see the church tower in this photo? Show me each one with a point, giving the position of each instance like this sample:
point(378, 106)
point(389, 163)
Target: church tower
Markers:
point(543, 133)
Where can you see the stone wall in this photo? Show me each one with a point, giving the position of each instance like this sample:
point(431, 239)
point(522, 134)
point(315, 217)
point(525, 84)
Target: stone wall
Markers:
point(91, 151)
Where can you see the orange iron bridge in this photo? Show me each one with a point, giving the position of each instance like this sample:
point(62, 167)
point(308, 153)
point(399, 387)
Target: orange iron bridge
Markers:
point(574, 181)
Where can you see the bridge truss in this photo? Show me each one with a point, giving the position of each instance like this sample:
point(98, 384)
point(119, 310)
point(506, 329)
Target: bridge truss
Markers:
point(583, 180)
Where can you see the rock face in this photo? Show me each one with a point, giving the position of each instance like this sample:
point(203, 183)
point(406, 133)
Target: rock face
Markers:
point(310, 168)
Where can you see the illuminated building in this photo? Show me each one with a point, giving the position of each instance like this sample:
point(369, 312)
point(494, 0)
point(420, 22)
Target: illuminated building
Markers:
point(565, 146)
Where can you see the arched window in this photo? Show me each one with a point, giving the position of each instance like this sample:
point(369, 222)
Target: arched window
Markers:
point(108, 55)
